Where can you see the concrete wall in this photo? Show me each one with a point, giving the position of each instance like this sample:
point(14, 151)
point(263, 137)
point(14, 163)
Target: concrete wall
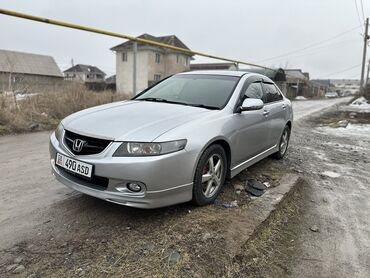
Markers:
point(29, 83)
point(124, 72)
point(147, 67)
point(176, 66)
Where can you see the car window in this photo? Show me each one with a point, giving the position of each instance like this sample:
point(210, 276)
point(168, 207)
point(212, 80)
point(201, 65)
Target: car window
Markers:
point(254, 90)
point(271, 93)
point(197, 89)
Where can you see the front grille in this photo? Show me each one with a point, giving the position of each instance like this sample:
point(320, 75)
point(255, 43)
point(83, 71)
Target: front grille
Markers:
point(91, 145)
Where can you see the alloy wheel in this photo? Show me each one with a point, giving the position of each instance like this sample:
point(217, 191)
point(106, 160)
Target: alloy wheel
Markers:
point(212, 174)
point(284, 142)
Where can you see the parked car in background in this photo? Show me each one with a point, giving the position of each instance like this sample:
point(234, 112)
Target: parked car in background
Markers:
point(331, 95)
point(176, 141)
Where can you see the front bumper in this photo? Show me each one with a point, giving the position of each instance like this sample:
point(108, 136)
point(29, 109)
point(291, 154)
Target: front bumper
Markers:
point(168, 179)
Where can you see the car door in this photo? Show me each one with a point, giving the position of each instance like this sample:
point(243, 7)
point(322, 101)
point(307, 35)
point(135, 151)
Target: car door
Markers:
point(275, 111)
point(251, 126)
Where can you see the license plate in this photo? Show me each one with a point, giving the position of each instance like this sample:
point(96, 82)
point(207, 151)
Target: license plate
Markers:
point(73, 165)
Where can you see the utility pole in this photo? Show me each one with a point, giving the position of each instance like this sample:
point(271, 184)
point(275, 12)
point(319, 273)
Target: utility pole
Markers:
point(367, 76)
point(134, 67)
point(366, 38)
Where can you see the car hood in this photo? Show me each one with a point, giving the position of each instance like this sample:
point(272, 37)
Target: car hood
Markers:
point(132, 120)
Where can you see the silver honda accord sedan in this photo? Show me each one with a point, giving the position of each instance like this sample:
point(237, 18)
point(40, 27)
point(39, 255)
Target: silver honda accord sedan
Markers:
point(174, 142)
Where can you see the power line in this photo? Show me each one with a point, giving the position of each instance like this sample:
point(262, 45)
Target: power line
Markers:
point(362, 9)
point(344, 70)
point(321, 49)
point(146, 41)
point(358, 14)
point(310, 45)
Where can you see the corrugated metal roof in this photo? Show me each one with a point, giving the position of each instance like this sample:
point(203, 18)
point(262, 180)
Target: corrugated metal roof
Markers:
point(295, 74)
point(27, 63)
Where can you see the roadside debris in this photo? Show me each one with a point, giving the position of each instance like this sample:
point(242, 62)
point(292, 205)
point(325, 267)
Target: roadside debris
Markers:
point(34, 126)
point(343, 123)
point(255, 187)
point(172, 256)
point(314, 229)
point(18, 260)
point(352, 115)
point(233, 204)
point(206, 236)
point(267, 184)
point(238, 188)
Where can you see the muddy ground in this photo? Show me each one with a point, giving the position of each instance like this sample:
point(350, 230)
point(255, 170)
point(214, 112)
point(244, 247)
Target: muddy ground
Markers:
point(324, 229)
point(87, 236)
point(76, 235)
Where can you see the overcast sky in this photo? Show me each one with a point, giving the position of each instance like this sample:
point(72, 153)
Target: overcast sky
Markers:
point(252, 31)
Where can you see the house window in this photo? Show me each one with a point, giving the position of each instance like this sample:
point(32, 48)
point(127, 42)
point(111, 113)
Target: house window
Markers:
point(124, 56)
point(157, 77)
point(88, 76)
point(157, 58)
point(177, 58)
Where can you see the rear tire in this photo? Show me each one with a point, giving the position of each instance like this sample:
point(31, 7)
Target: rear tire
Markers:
point(283, 143)
point(210, 175)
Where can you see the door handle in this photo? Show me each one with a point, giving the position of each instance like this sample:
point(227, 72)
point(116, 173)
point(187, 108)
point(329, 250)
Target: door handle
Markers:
point(284, 106)
point(265, 113)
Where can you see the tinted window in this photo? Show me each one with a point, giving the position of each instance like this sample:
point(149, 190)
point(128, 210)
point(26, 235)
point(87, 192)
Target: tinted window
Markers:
point(271, 93)
point(194, 89)
point(254, 90)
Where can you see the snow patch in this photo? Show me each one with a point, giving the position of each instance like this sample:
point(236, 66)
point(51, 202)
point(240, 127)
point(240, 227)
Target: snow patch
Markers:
point(331, 174)
point(360, 105)
point(361, 101)
point(300, 98)
point(352, 130)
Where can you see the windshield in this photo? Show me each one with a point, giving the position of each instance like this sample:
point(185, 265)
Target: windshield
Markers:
point(208, 91)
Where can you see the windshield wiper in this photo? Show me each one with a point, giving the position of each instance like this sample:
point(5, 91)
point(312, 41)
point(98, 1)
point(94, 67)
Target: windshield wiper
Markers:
point(155, 99)
point(210, 107)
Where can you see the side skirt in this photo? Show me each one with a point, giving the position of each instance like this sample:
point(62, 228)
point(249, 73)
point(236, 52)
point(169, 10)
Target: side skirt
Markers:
point(244, 165)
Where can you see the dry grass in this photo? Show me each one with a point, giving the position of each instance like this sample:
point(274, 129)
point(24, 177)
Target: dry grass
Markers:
point(49, 108)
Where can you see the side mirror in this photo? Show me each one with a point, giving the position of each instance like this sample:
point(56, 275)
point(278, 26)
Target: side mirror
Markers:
point(251, 104)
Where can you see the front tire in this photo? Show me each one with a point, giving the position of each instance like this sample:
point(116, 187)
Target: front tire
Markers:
point(283, 143)
point(209, 175)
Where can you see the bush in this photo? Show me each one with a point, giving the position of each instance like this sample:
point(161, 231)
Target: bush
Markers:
point(47, 109)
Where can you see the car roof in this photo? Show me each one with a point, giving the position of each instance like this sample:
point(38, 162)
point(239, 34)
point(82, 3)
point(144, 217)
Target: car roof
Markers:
point(228, 73)
point(218, 72)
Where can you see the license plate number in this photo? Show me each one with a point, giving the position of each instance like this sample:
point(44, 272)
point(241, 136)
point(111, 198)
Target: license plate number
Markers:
point(73, 165)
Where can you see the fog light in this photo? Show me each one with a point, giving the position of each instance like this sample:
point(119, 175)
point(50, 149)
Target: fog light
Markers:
point(134, 187)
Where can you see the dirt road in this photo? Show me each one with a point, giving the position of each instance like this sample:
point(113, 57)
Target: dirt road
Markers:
point(30, 195)
point(328, 234)
point(337, 164)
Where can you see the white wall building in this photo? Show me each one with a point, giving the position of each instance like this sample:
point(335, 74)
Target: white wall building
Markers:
point(152, 63)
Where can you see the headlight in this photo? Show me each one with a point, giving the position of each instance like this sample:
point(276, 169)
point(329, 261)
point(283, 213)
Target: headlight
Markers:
point(149, 149)
point(59, 131)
